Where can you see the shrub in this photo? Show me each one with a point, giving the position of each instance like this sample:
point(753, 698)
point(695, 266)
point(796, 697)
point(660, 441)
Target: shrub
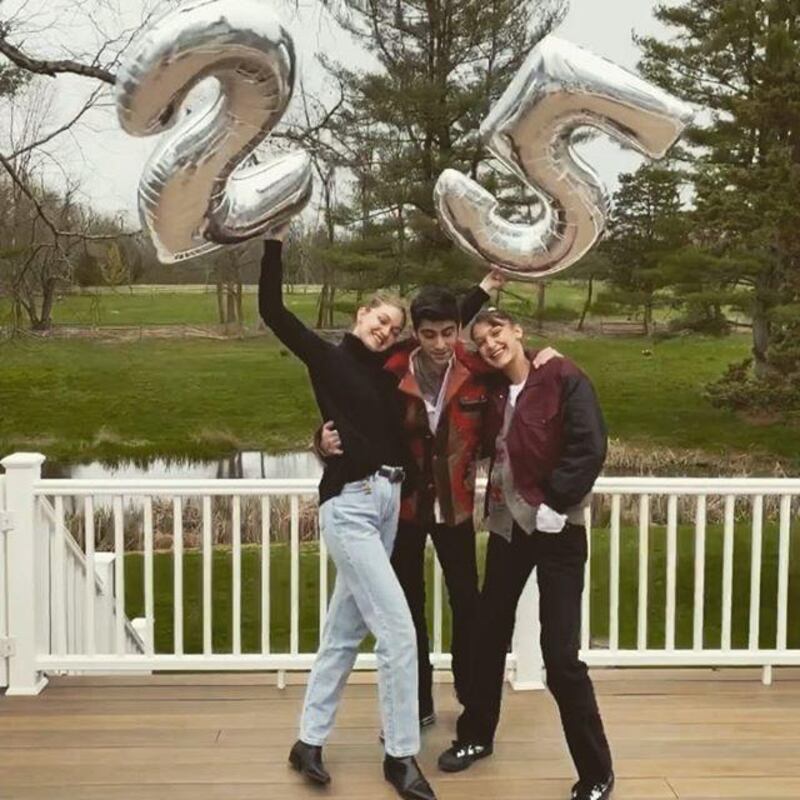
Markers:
point(739, 389)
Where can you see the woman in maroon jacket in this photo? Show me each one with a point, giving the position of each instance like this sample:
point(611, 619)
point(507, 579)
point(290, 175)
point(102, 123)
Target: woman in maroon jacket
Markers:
point(549, 445)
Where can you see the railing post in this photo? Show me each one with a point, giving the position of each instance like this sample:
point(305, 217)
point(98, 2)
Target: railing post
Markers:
point(529, 672)
point(28, 603)
point(104, 602)
point(6, 526)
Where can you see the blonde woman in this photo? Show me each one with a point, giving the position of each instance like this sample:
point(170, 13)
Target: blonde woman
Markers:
point(359, 507)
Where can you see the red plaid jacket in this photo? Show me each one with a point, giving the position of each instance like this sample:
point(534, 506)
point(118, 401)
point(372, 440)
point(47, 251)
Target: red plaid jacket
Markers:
point(445, 462)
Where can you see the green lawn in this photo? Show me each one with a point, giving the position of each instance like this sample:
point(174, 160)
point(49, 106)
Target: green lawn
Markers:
point(189, 306)
point(161, 308)
point(309, 592)
point(652, 393)
point(80, 400)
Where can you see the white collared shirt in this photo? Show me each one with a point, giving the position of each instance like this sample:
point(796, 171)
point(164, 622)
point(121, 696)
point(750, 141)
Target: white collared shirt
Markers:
point(434, 415)
point(435, 409)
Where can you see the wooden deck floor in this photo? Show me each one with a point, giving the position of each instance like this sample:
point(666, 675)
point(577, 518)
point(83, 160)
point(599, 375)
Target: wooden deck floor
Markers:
point(675, 734)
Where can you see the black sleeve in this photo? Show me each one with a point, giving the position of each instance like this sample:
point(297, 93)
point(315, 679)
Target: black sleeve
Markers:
point(304, 343)
point(316, 444)
point(585, 443)
point(471, 303)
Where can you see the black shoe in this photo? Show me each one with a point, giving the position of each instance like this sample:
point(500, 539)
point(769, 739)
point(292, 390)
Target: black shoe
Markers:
point(597, 791)
point(424, 722)
point(405, 775)
point(307, 760)
point(462, 755)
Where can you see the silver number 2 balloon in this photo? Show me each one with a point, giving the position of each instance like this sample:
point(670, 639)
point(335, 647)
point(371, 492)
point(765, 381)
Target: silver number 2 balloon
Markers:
point(192, 197)
point(559, 88)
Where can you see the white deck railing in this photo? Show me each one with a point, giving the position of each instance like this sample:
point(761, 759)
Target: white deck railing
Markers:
point(85, 616)
point(5, 527)
point(701, 528)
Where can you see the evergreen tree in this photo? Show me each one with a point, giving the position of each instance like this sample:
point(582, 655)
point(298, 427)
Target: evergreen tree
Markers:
point(440, 64)
point(647, 226)
point(740, 60)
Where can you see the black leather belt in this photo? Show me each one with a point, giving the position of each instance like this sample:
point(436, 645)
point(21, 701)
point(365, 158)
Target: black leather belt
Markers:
point(393, 474)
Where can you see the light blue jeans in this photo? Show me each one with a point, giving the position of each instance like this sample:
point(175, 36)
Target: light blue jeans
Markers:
point(359, 527)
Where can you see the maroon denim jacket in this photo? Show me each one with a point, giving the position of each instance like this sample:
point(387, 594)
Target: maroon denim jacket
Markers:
point(557, 439)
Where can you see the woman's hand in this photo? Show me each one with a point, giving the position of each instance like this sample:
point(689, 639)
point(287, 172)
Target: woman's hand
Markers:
point(493, 281)
point(278, 233)
point(545, 355)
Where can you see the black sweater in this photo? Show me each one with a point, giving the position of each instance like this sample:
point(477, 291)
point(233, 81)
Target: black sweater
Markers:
point(350, 384)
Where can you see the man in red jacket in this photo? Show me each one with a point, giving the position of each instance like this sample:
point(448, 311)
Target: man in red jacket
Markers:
point(444, 403)
point(549, 442)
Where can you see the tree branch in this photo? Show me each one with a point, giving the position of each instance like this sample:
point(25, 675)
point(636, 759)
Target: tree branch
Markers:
point(52, 67)
point(42, 214)
point(66, 126)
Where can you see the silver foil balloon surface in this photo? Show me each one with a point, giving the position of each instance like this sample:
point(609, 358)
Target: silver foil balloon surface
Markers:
point(559, 88)
point(193, 195)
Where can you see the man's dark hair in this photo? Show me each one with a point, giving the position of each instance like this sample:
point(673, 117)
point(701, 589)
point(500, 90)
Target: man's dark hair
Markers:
point(434, 304)
point(493, 316)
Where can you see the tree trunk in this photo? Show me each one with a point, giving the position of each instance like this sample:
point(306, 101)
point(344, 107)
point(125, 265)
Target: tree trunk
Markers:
point(541, 288)
point(325, 305)
point(231, 303)
point(648, 318)
point(238, 290)
point(331, 297)
point(220, 300)
point(401, 249)
point(33, 316)
point(761, 335)
point(16, 314)
point(321, 304)
point(588, 304)
point(48, 301)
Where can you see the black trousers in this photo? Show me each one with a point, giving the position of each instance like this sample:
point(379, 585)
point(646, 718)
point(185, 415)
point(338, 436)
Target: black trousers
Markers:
point(455, 547)
point(559, 560)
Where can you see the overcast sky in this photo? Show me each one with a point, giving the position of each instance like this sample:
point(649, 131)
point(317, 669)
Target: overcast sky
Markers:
point(107, 162)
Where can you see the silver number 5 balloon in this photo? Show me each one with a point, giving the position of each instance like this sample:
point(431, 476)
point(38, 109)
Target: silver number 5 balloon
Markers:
point(559, 88)
point(192, 197)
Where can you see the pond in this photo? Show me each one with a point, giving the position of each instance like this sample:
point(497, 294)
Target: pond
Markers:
point(247, 464)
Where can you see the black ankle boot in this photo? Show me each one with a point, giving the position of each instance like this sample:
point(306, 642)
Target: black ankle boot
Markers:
point(406, 777)
point(307, 760)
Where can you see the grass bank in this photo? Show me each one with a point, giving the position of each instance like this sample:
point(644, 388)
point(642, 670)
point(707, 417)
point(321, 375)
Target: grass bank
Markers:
point(81, 400)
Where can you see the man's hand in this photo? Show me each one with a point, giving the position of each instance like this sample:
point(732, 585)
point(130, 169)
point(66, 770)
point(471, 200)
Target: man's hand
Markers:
point(543, 356)
point(329, 442)
point(493, 281)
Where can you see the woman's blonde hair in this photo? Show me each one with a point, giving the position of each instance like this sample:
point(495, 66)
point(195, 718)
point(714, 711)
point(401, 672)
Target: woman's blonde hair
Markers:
point(388, 299)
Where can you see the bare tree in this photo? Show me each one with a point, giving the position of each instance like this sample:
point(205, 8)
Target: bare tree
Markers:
point(46, 232)
point(227, 270)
